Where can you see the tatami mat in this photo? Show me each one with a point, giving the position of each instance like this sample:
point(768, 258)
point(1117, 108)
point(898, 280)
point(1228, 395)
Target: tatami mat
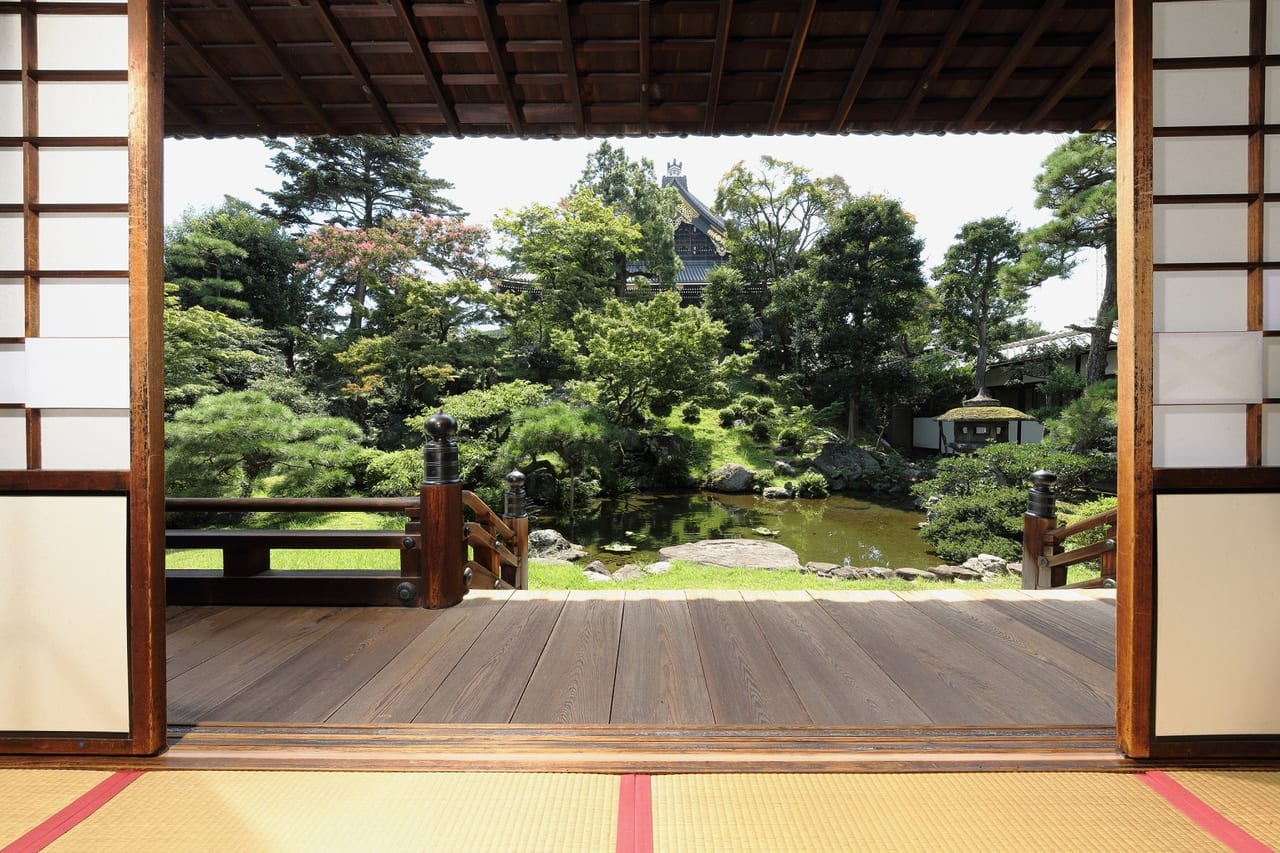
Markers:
point(928, 812)
point(1249, 799)
point(295, 811)
point(29, 797)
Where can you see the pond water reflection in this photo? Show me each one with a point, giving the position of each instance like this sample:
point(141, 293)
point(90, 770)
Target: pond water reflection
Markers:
point(869, 531)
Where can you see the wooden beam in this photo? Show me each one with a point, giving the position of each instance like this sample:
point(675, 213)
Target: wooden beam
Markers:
point(804, 19)
point(865, 57)
point(354, 65)
point(717, 65)
point(1102, 43)
point(938, 61)
point(571, 67)
point(484, 17)
point(172, 105)
point(642, 23)
point(419, 48)
point(267, 45)
point(195, 53)
point(1010, 63)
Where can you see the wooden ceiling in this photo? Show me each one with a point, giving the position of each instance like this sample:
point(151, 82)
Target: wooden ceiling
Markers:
point(555, 68)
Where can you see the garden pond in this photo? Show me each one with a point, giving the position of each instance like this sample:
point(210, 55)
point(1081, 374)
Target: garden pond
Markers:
point(868, 530)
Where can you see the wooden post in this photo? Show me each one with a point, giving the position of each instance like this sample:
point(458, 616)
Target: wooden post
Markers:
point(517, 518)
point(443, 546)
point(1040, 518)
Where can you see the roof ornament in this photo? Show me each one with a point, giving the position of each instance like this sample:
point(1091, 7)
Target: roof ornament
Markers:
point(675, 168)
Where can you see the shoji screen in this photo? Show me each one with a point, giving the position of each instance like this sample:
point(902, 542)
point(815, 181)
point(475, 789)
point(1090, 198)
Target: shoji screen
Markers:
point(1199, 129)
point(78, 136)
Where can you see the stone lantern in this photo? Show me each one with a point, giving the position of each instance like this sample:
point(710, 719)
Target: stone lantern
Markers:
point(979, 421)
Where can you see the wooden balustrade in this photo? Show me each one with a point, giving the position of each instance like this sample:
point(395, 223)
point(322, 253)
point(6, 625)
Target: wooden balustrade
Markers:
point(1044, 561)
point(434, 568)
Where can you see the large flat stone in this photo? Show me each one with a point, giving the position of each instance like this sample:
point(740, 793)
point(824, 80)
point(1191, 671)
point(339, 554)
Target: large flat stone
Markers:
point(732, 553)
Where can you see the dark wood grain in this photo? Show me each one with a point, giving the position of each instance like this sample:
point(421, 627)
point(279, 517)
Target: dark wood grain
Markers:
point(659, 679)
point(219, 629)
point(838, 683)
point(1056, 620)
point(745, 681)
point(486, 685)
point(573, 681)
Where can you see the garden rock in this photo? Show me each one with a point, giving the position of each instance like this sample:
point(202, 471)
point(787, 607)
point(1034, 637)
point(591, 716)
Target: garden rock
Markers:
point(659, 568)
point(596, 571)
point(989, 564)
point(627, 572)
point(549, 544)
point(915, 575)
point(732, 553)
point(843, 465)
point(823, 569)
point(783, 469)
point(731, 479)
point(776, 493)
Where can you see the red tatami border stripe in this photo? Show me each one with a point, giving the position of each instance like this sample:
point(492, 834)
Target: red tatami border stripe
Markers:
point(70, 816)
point(1202, 814)
point(635, 815)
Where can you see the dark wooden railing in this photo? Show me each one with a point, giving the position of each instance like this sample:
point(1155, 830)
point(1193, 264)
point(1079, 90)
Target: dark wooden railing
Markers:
point(434, 568)
point(1044, 562)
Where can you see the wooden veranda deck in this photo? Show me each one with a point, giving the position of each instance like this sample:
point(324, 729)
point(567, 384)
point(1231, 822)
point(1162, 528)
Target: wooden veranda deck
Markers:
point(987, 658)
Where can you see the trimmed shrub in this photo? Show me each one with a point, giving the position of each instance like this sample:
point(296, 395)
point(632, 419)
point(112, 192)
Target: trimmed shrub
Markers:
point(965, 526)
point(811, 484)
point(690, 413)
point(759, 431)
point(727, 417)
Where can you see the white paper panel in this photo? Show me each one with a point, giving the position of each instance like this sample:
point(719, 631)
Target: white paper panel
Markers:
point(84, 241)
point(10, 109)
point(10, 176)
point(1201, 96)
point(1271, 435)
point(1271, 368)
point(1271, 232)
point(1189, 165)
point(1273, 26)
point(1216, 643)
point(1198, 436)
point(1209, 367)
point(13, 373)
point(1200, 233)
point(83, 42)
point(84, 308)
point(11, 248)
point(1200, 301)
point(1271, 300)
point(13, 439)
point(64, 668)
point(78, 373)
point(1271, 107)
point(84, 175)
point(84, 439)
point(1212, 28)
point(13, 308)
point(84, 109)
point(10, 43)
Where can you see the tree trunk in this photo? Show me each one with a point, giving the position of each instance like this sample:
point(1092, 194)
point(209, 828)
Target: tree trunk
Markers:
point(1100, 334)
point(853, 419)
point(356, 321)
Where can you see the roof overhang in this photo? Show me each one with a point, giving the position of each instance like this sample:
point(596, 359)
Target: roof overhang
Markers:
point(554, 68)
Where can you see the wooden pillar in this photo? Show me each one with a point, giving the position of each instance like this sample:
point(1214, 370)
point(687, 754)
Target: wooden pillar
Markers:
point(1040, 518)
point(517, 519)
point(443, 544)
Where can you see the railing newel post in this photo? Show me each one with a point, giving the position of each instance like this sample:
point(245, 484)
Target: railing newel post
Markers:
point(1039, 520)
point(517, 518)
point(443, 538)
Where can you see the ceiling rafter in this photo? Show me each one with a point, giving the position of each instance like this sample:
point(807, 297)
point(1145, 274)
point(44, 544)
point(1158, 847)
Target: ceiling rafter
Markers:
point(421, 54)
point(187, 116)
point(200, 59)
point(1106, 111)
point(354, 65)
point(724, 16)
point(879, 27)
point(804, 19)
point(571, 68)
point(484, 16)
point(1081, 67)
point(642, 13)
point(267, 43)
point(938, 61)
point(1010, 63)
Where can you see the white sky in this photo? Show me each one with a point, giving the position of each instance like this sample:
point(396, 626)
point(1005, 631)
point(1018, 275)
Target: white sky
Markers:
point(944, 181)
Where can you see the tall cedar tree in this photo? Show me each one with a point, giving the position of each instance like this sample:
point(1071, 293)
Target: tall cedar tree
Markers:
point(355, 182)
point(1078, 184)
point(976, 296)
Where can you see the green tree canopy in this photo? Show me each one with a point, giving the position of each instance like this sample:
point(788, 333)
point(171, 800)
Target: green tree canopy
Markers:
point(975, 293)
point(579, 437)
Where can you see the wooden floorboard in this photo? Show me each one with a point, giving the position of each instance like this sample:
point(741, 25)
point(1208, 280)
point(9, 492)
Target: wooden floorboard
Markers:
point(745, 680)
point(486, 685)
point(659, 678)
point(761, 660)
point(573, 680)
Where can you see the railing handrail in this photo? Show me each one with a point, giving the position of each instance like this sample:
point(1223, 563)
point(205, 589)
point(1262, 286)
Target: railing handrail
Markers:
point(344, 504)
point(1044, 563)
point(1060, 534)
